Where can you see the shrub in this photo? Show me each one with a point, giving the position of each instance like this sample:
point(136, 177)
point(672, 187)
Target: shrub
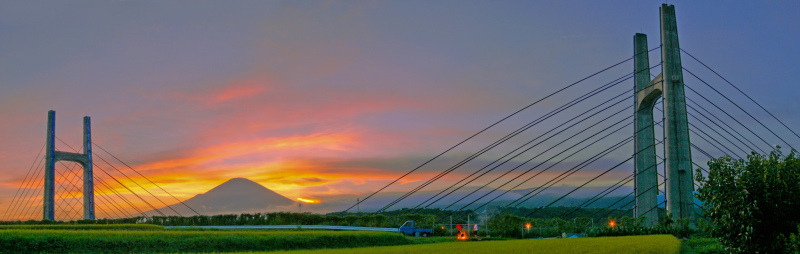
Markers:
point(753, 203)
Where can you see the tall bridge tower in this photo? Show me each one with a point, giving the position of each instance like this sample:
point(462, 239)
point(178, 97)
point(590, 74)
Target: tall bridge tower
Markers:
point(84, 159)
point(669, 84)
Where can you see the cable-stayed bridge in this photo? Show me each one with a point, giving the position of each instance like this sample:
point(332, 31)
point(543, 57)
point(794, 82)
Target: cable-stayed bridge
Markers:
point(627, 125)
point(658, 124)
point(54, 189)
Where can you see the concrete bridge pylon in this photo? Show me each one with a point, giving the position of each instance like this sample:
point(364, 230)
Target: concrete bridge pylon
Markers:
point(84, 159)
point(669, 84)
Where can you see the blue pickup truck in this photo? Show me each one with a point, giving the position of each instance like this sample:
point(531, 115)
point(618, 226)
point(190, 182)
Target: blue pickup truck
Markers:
point(409, 228)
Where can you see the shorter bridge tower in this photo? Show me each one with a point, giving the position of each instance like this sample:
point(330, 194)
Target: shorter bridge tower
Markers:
point(84, 159)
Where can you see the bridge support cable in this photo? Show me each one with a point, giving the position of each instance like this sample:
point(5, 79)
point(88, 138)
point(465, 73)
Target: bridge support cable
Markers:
point(14, 200)
point(742, 92)
point(31, 195)
point(584, 162)
point(129, 190)
point(587, 182)
point(726, 124)
point(100, 191)
point(105, 199)
point(551, 166)
point(593, 179)
point(712, 138)
point(24, 180)
point(729, 115)
point(599, 196)
point(30, 201)
point(532, 158)
point(490, 126)
point(612, 204)
point(71, 190)
point(137, 184)
point(568, 173)
point(565, 150)
point(692, 130)
point(513, 134)
point(148, 179)
point(119, 196)
point(123, 185)
point(706, 154)
point(719, 127)
point(66, 201)
point(535, 145)
point(577, 168)
point(718, 134)
point(607, 191)
point(623, 198)
point(740, 108)
point(631, 209)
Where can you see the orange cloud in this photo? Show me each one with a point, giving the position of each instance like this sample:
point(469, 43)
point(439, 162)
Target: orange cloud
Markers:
point(323, 141)
point(239, 89)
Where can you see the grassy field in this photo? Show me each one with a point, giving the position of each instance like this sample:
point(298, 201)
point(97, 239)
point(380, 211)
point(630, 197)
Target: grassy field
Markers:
point(72, 238)
point(183, 241)
point(666, 244)
point(85, 227)
point(702, 246)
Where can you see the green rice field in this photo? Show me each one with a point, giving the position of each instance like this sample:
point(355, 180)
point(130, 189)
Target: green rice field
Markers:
point(72, 238)
point(185, 241)
point(666, 244)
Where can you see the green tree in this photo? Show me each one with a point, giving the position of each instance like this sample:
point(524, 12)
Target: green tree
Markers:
point(754, 203)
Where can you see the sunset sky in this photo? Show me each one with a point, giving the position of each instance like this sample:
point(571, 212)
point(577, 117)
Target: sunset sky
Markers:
point(322, 98)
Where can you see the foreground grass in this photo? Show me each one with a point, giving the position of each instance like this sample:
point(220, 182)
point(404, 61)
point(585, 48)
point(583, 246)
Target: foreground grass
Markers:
point(166, 241)
point(702, 246)
point(666, 244)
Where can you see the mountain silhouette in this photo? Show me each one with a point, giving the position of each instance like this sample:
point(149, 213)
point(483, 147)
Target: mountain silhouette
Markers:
point(237, 195)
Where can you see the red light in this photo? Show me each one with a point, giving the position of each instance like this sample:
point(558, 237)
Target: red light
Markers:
point(612, 223)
